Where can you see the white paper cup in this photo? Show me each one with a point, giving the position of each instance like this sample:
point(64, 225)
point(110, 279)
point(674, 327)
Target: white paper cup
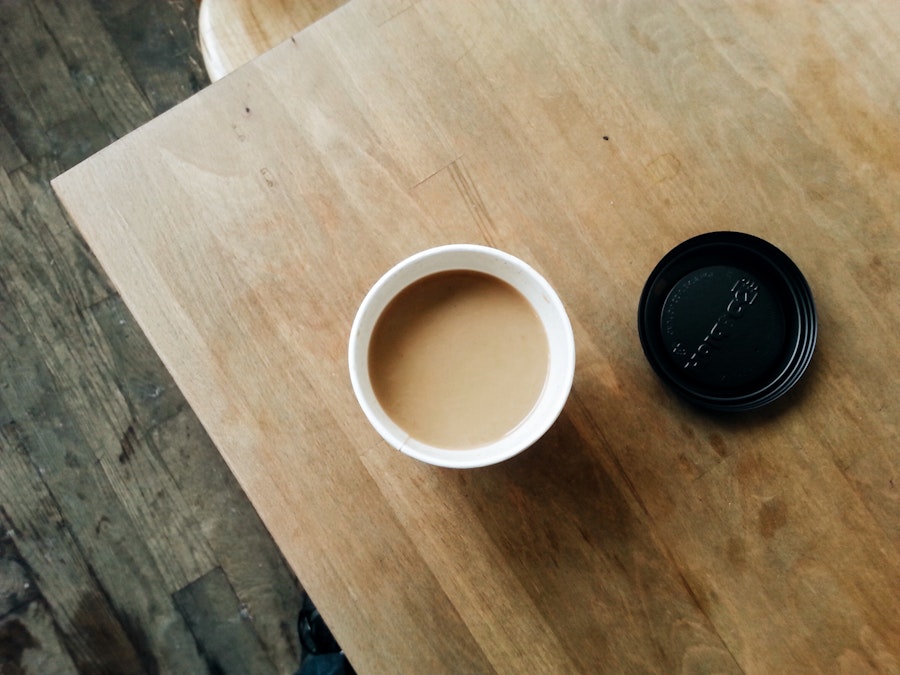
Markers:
point(520, 276)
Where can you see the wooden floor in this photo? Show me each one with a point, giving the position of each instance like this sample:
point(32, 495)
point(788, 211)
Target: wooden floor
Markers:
point(125, 543)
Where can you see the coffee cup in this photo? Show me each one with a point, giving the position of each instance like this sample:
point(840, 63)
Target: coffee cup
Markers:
point(461, 356)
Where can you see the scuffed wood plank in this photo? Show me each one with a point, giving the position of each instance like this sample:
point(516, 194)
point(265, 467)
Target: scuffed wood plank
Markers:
point(223, 626)
point(95, 65)
point(255, 568)
point(66, 140)
point(70, 412)
point(30, 643)
point(17, 587)
point(42, 251)
point(101, 428)
point(34, 61)
point(104, 580)
point(226, 520)
point(158, 46)
point(76, 599)
point(10, 156)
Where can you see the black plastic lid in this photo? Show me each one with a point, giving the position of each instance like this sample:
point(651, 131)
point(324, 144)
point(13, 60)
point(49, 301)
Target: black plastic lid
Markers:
point(727, 321)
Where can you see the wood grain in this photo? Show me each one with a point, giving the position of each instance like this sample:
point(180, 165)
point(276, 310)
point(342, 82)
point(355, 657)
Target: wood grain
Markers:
point(233, 32)
point(244, 227)
point(114, 504)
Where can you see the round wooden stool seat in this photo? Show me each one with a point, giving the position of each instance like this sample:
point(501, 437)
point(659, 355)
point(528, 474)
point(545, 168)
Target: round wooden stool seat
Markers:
point(233, 32)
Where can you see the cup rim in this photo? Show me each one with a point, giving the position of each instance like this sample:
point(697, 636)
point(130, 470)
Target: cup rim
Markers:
point(503, 266)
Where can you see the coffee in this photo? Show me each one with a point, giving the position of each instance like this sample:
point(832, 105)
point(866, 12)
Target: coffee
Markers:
point(458, 359)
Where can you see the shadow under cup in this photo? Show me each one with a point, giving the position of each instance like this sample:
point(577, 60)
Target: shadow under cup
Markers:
point(539, 294)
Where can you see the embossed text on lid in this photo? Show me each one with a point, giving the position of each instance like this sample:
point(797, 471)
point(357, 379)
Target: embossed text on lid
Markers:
point(727, 320)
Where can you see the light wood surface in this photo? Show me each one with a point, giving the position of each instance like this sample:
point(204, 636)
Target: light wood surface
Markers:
point(233, 32)
point(244, 227)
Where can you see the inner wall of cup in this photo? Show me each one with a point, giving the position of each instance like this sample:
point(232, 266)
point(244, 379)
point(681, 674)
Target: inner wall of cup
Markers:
point(536, 291)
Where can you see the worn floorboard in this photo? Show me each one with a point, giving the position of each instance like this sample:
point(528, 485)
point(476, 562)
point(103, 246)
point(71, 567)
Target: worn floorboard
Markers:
point(125, 543)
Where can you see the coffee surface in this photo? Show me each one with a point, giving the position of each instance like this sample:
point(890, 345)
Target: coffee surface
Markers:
point(458, 359)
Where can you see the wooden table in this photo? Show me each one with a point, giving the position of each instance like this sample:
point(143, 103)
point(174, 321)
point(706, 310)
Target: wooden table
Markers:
point(244, 227)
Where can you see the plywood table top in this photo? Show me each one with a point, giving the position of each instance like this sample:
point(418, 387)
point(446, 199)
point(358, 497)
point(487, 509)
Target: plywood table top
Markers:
point(244, 227)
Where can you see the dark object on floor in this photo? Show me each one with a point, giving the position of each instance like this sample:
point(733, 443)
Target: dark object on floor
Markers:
point(322, 654)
